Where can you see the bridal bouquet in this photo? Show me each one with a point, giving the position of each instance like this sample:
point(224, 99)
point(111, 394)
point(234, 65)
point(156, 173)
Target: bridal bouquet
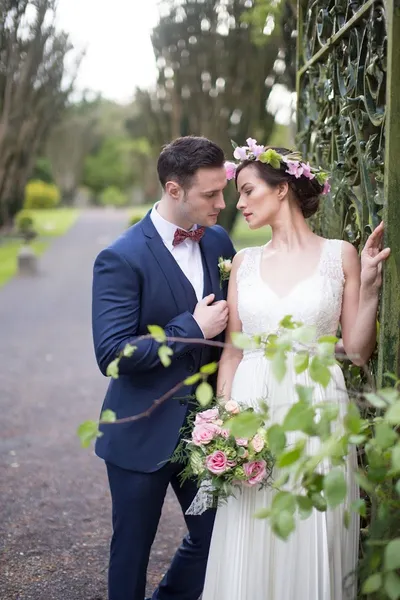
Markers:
point(221, 462)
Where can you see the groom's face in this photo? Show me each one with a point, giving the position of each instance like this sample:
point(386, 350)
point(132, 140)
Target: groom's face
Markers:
point(202, 202)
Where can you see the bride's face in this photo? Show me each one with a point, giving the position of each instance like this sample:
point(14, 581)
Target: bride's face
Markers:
point(258, 201)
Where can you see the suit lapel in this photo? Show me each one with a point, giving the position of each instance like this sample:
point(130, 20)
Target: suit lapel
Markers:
point(167, 264)
point(210, 262)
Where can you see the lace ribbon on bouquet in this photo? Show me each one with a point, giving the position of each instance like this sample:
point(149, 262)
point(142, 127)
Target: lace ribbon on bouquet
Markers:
point(203, 500)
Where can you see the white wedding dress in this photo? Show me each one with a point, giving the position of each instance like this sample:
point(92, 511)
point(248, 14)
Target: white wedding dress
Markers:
point(247, 561)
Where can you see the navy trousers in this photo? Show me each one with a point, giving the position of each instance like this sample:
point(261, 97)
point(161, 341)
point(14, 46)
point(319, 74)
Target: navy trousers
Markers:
point(137, 500)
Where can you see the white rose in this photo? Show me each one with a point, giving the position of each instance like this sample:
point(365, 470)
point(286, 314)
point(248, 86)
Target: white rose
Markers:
point(227, 265)
point(257, 442)
point(232, 407)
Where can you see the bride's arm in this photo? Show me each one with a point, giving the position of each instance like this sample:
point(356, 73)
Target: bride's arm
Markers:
point(361, 296)
point(231, 356)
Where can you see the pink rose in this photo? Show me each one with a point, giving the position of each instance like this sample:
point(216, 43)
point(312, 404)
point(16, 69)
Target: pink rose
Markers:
point(207, 416)
point(257, 442)
point(225, 433)
point(241, 441)
point(255, 471)
point(217, 462)
point(232, 407)
point(230, 170)
point(204, 433)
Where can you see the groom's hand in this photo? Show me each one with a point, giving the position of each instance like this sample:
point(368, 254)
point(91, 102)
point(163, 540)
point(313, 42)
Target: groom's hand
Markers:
point(211, 318)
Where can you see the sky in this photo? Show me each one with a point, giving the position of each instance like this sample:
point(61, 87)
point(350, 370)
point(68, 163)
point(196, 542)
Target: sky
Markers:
point(116, 35)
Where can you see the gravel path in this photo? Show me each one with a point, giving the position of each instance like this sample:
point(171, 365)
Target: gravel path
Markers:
point(54, 499)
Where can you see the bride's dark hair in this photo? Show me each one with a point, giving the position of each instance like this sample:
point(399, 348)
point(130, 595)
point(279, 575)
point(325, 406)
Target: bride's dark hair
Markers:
point(305, 191)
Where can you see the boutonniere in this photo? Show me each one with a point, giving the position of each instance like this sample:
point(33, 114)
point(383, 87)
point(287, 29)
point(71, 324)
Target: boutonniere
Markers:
point(225, 267)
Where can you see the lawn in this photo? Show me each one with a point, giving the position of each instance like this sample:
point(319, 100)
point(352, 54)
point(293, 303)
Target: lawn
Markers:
point(48, 224)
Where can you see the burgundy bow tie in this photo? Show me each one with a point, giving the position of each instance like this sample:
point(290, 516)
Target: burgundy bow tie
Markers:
point(181, 235)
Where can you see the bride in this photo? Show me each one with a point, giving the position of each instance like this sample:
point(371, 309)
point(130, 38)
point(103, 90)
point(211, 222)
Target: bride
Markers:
point(319, 282)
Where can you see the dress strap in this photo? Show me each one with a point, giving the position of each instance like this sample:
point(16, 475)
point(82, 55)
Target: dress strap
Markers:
point(250, 263)
point(332, 260)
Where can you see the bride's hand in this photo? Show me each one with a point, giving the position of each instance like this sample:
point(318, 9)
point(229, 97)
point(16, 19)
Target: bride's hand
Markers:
point(372, 258)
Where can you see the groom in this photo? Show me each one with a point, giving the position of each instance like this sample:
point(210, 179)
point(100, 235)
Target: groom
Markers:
point(162, 271)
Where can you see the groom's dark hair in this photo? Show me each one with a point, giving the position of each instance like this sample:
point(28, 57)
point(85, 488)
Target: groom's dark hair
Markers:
point(180, 159)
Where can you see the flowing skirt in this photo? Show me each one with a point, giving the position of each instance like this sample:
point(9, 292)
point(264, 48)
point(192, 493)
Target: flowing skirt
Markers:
point(247, 561)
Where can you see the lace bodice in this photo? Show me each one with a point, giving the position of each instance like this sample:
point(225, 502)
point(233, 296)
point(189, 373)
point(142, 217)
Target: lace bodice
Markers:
point(316, 300)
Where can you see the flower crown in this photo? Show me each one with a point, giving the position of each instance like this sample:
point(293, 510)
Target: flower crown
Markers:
point(294, 164)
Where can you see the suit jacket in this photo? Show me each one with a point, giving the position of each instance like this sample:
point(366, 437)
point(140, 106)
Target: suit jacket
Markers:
point(137, 283)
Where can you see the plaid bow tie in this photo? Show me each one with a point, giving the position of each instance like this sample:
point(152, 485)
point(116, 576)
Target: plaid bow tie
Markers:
point(181, 235)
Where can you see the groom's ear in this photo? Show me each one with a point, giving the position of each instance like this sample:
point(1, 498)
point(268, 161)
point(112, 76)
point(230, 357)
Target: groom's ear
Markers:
point(173, 189)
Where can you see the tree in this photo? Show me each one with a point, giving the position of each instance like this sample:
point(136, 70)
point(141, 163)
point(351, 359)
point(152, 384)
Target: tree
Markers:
point(212, 78)
point(33, 91)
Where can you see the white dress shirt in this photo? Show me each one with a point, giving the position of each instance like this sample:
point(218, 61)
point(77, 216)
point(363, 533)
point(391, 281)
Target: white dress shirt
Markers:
point(187, 254)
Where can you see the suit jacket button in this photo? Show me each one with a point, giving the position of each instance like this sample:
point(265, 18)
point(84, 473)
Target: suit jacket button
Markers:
point(183, 402)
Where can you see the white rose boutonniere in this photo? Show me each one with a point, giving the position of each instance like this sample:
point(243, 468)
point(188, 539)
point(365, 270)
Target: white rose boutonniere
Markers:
point(225, 267)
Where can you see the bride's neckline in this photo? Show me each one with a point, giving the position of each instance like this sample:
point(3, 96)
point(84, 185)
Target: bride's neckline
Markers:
point(295, 286)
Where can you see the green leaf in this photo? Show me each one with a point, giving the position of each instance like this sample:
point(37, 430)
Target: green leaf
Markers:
point(392, 585)
point(326, 349)
point(283, 501)
point(157, 333)
point(393, 414)
point(283, 524)
point(375, 400)
point(165, 352)
point(291, 456)
point(279, 366)
point(234, 145)
point(287, 323)
point(209, 369)
point(305, 334)
point(352, 420)
point(385, 436)
point(276, 439)
point(364, 483)
point(305, 506)
point(204, 393)
point(299, 418)
point(112, 369)
point(243, 341)
point(358, 506)
point(88, 432)
point(128, 350)
point(396, 458)
point(301, 360)
point(192, 379)
point(271, 157)
point(304, 393)
point(108, 416)
point(335, 487)
point(244, 425)
point(318, 502)
point(392, 555)
point(373, 583)
point(319, 372)
point(328, 339)
point(397, 487)
point(263, 513)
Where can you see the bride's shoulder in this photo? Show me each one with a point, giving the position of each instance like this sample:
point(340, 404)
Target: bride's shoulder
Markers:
point(244, 254)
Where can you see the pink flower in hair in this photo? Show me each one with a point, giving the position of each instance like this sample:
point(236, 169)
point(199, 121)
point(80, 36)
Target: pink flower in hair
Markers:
point(240, 153)
point(294, 168)
point(255, 148)
point(327, 187)
point(307, 171)
point(230, 169)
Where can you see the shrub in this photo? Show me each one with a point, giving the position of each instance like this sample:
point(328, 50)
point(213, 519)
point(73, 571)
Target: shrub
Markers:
point(134, 219)
point(25, 226)
point(113, 196)
point(39, 194)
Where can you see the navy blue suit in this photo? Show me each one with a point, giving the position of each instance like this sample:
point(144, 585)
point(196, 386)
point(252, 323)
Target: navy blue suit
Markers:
point(137, 283)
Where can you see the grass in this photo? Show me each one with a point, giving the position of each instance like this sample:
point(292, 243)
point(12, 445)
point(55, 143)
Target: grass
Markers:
point(48, 224)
